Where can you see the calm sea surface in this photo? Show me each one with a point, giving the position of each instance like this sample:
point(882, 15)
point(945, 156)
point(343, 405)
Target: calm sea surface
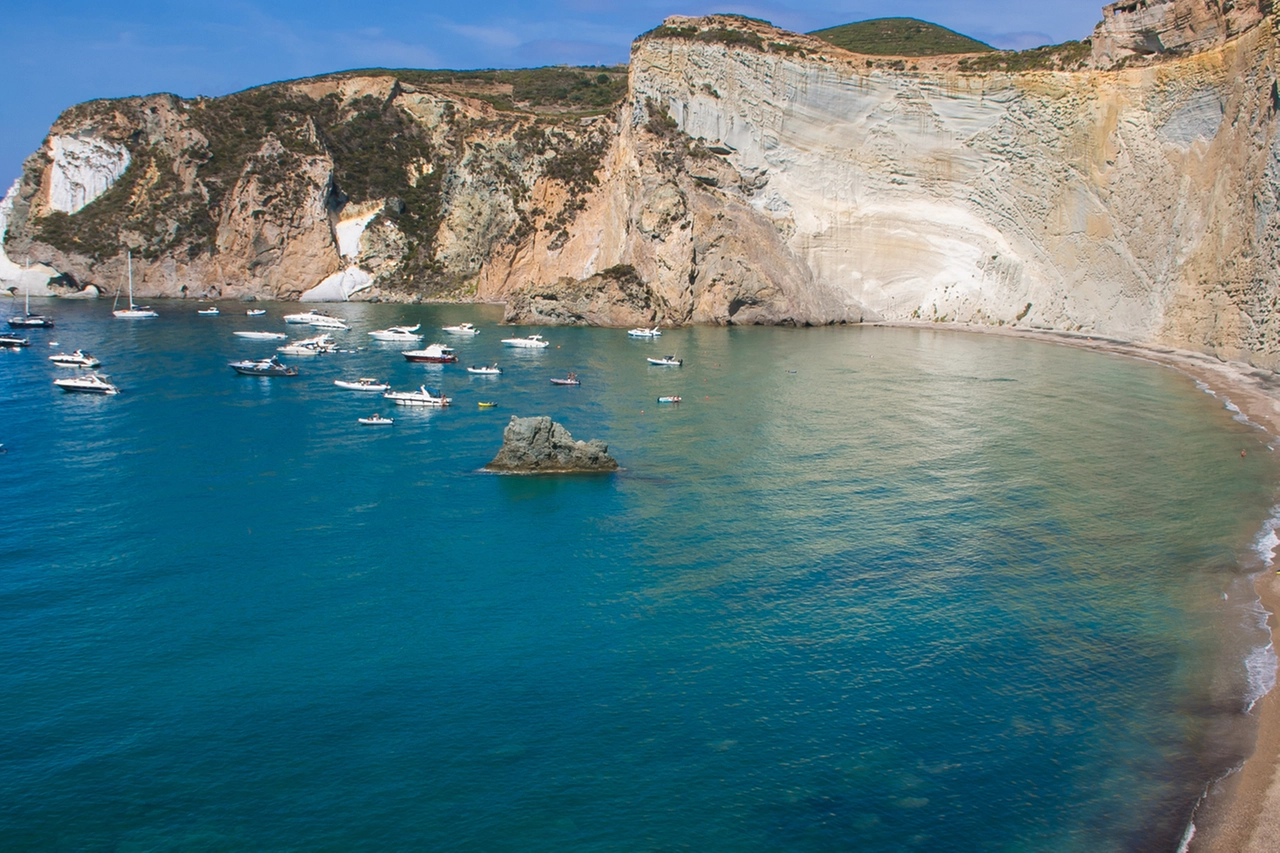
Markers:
point(865, 589)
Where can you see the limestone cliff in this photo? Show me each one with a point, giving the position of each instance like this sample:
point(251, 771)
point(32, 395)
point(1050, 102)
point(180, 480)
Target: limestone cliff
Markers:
point(395, 185)
point(743, 175)
point(1140, 28)
point(1139, 203)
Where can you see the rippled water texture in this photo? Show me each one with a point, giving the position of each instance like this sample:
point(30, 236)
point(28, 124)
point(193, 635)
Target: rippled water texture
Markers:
point(867, 589)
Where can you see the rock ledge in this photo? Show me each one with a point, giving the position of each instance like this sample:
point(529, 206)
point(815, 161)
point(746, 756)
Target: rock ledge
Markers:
point(539, 445)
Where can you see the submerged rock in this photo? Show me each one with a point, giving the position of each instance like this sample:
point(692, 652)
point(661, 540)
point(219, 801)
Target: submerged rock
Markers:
point(539, 445)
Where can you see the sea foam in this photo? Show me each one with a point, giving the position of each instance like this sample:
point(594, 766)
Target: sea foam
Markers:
point(1261, 663)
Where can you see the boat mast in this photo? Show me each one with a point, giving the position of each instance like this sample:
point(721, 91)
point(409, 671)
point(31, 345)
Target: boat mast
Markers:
point(129, 256)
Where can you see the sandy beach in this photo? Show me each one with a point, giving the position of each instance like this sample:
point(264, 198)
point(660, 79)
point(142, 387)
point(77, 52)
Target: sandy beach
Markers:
point(1242, 811)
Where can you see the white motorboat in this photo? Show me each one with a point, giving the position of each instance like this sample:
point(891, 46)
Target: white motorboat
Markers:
point(570, 380)
point(133, 312)
point(655, 332)
point(483, 370)
point(319, 345)
point(88, 383)
point(461, 329)
point(364, 383)
point(395, 334)
point(666, 361)
point(211, 311)
point(530, 342)
point(262, 336)
point(263, 367)
point(255, 312)
point(424, 396)
point(13, 342)
point(671, 399)
point(376, 420)
point(433, 354)
point(79, 358)
point(319, 319)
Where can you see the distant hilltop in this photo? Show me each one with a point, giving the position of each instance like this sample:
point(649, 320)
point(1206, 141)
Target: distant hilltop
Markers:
point(900, 37)
point(734, 172)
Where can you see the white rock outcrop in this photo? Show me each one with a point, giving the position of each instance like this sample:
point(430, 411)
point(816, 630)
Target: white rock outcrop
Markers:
point(350, 229)
point(83, 168)
point(339, 287)
point(15, 279)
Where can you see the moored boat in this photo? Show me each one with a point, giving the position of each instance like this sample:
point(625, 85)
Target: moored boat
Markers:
point(319, 345)
point(88, 383)
point(396, 334)
point(655, 332)
point(529, 342)
point(485, 370)
point(486, 404)
point(461, 329)
point(667, 361)
point(211, 311)
point(319, 319)
point(27, 320)
point(79, 358)
point(571, 379)
point(376, 420)
point(263, 367)
point(668, 399)
point(364, 383)
point(13, 342)
point(433, 354)
point(255, 312)
point(262, 336)
point(424, 396)
point(133, 312)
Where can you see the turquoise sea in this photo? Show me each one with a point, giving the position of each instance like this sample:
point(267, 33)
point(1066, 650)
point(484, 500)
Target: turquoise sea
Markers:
point(864, 589)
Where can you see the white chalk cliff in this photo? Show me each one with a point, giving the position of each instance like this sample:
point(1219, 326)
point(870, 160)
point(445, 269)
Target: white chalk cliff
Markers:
point(82, 169)
point(15, 279)
point(1142, 203)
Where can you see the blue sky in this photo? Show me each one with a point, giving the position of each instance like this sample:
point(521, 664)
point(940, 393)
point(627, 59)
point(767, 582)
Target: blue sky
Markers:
point(60, 54)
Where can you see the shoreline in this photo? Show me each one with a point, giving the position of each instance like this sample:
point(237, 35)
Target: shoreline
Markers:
point(1240, 813)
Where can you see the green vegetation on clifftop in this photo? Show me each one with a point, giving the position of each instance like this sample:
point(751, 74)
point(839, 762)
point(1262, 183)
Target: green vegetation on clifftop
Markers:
point(900, 37)
point(1068, 56)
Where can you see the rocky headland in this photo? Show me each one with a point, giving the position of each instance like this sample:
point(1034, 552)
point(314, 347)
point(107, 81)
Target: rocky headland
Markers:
point(539, 445)
point(1128, 186)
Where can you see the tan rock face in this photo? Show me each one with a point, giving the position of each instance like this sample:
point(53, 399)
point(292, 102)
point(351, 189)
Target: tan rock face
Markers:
point(447, 175)
point(1150, 27)
point(277, 223)
point(616, 297)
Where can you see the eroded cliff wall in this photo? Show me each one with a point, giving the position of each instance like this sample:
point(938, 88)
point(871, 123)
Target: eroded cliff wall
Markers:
point(357, 183)
point(1140, 203)
point(744, 175)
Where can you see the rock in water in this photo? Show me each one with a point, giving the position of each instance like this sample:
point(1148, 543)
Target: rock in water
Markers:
point(540, 446)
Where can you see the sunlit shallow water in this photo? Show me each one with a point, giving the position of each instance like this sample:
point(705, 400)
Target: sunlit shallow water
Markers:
point(870, 589)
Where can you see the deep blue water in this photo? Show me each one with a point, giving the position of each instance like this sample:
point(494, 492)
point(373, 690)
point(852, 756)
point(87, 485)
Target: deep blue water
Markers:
point(871, 589)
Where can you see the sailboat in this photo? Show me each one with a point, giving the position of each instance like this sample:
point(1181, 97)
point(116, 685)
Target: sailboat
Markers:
point(29, 320)
point(133, 312)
